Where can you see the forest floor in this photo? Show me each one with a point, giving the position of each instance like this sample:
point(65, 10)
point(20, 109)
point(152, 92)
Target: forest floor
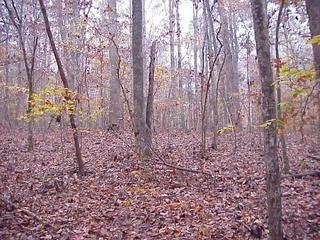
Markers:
point(121, 197)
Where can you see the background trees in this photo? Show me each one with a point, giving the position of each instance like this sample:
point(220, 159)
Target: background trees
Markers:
point(97, 60)
point(86, 63)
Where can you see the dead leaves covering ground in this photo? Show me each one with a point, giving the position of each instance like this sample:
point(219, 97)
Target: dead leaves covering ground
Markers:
point(123, 198)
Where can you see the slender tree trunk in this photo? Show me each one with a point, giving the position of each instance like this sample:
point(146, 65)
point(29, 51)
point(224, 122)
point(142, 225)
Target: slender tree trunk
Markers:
point(213, 44)
point(6, 93)
point(74, 78)
point(259, 11)
point(195, 63)
point(235, 72)
point(173, 84)
point(313, 10)
point(115, 110)
point(66, 86)
point(150, 97)
point(202, 87)
point(228, 73)
point(172, 60)
point(286, 166)
point(179, 67)
point(17, 22)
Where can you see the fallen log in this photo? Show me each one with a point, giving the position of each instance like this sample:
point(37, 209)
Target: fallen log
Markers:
point(314, 157)
point(301, 175)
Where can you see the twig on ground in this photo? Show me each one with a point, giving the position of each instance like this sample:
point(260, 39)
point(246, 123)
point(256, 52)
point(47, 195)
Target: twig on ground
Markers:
point(314, 157)
point(315, 173)
point(28, 213)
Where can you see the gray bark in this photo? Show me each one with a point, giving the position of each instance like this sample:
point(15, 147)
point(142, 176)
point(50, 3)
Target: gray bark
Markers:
point(213, 50)
point(313, 10)
point(195, 62)
point(259, 11)
point(172, 90)
point(179, 67)
point(138, 83)
point(115, 106)
point(286, 166)
point(150, 96)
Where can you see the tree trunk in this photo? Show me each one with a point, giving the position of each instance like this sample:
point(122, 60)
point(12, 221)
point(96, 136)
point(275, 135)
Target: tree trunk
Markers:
point(13, 14)
point(228, 68)
point(259, 11)
point(138, 83)
point(195, 63)
point(66, 86)
point(115, 110)
point(179, 67)
point(313, 10)
point(213, 44)
point(286, 166)
point(6, 93)
point(74, 78)
point(150, 97)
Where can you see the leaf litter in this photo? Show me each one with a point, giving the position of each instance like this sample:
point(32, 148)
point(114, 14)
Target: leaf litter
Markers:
point(121, 197)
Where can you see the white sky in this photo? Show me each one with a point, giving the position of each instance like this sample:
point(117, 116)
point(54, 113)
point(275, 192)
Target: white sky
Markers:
point(156, 13)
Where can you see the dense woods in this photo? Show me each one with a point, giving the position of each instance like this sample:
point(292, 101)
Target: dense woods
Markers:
point(172, 119)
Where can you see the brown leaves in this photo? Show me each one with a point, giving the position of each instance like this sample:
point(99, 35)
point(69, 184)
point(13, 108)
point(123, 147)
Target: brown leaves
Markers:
point(116, 200)
point(278, 63)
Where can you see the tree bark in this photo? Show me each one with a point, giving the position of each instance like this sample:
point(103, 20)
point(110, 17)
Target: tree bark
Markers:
point(150, 97)
point(66, 86)
point(115, 110)
point(179, 67)
point(286, 165)
point(172, 90)
point(259, 11)
point(195, 64)
point(313, 10)
point(213, 44)
point(138, 83)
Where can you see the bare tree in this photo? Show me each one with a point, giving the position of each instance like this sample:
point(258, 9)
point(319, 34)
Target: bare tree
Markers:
point(259, 11)
point(17, 21)
point(65, 83)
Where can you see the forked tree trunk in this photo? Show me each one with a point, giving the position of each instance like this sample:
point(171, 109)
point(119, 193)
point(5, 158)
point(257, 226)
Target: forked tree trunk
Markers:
point(66, 86)
point(13, 14)
point(213, 44)
point(259, 12)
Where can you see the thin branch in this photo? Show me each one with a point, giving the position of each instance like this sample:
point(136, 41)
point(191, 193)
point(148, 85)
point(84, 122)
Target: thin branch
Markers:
point(27, 212)
point(118, 77)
